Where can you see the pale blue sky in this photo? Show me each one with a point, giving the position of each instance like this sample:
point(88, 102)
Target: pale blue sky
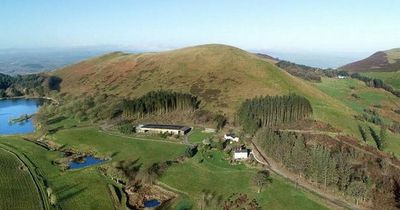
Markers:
point(292, 26)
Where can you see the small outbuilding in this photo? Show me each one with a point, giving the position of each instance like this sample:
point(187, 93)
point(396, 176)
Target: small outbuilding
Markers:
point(162, 128)
point(231, 137)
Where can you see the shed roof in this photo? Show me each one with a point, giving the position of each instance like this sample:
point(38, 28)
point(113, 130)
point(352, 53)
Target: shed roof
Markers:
point(164, 126)
point(242, 151)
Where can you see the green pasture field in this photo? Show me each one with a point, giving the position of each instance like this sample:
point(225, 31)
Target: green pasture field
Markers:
point(197, 135)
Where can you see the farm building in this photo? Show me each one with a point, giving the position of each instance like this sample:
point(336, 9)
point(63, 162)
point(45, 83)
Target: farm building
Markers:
point(241, 154)
point(231, 137)
point(162, 128)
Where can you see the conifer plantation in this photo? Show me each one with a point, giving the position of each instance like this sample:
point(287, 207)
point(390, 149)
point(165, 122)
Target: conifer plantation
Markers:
point(159, 102)
point(273, 110)
point(329, 168)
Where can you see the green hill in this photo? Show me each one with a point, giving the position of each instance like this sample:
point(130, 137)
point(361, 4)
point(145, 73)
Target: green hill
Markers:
point(221, 76)
point(382, 61)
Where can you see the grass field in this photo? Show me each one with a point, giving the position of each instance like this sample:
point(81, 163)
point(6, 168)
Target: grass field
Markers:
point(197, 135)
point(17, 186)
point(148, 151)
point(391, 78)
point(342, 90)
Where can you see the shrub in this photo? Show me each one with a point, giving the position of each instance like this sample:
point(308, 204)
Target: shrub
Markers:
point(355, 96)
point(220, 120)
point(191, 151)
point(363, 133)
point(376, 138)
point(395, 127)
point(126, 128)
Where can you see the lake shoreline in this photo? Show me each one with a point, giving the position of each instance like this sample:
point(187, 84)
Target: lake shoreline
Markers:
point(16, 115)
point(30, 97)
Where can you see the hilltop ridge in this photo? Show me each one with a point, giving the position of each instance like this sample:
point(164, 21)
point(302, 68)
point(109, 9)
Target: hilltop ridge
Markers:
point(384, 61)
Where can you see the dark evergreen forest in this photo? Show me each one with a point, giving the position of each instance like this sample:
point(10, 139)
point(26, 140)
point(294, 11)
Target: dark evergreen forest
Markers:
point(159, 102)
point(272, 110)
point(336, 168)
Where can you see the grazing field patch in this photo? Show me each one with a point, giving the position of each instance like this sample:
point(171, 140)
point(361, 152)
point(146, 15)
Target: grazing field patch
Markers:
point(119, 147)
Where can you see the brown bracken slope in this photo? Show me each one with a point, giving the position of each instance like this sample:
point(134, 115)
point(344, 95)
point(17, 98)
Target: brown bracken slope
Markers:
point(380, 61)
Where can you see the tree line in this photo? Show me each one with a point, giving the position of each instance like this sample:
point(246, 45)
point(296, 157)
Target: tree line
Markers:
point(376, 83)
point(309, 73)
point(30, 84)
point(272, 110)
point(302, 71)
point(379, 139)
point(159, 102)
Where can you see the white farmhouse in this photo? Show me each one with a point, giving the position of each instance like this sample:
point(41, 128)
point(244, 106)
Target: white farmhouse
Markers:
point(241, 154)
point(231, 137)
point(342, 77)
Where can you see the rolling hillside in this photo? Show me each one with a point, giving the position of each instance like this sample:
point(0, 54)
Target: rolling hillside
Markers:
point(385, 61)
point(222, 76)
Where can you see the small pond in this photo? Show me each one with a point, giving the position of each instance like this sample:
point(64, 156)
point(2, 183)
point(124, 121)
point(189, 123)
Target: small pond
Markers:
point(86, 161)
point(15, 108)
point(152, 203)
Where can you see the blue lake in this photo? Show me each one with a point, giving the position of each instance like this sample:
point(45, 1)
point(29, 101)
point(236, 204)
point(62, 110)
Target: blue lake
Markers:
point(14, 108)
point(87, 161)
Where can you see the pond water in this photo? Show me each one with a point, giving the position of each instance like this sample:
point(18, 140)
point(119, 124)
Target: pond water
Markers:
point(87, 161)
point(14, 108)
point(152, 203)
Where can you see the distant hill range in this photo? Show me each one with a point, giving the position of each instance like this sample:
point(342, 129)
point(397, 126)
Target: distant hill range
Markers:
point(28, 61)
point(267, 57)
point(384, 61)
